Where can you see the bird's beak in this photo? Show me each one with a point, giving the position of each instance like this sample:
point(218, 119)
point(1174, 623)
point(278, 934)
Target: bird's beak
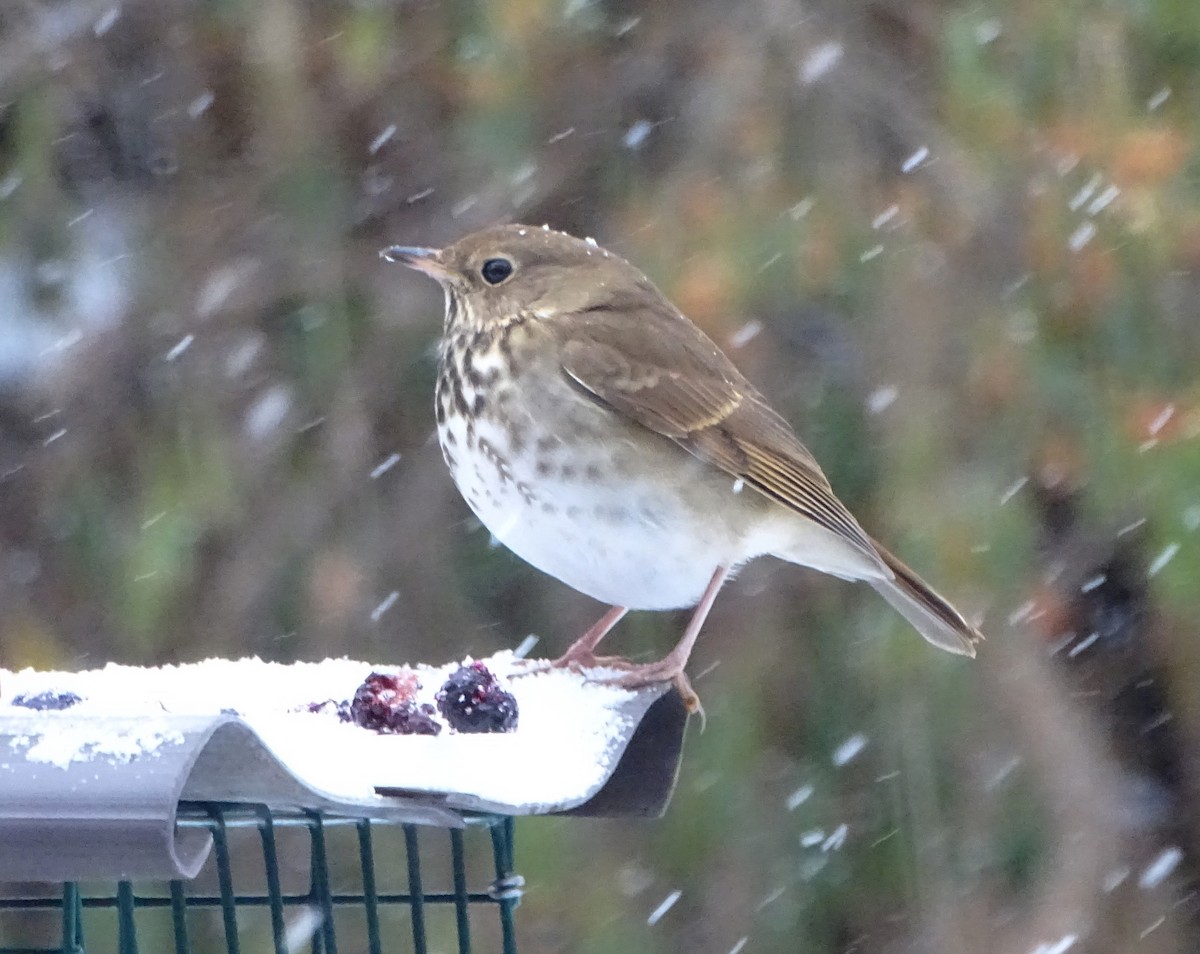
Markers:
point(427, 260)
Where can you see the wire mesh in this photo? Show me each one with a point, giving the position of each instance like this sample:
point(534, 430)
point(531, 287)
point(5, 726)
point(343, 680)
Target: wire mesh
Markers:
point(286, 882)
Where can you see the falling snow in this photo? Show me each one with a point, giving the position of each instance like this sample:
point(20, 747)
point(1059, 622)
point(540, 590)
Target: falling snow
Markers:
point(987, 31)
point(1088, 189)
point(820, 62)
point(745, 334)
point(668, 902)
point(386, 604)
point(1159, 562)
point(1103, 200)
point(382, 139)
point(106, 21)
point(884, 217)
point(635, 135)
point(1061, 946)
point(836, 838)
point(881, 399)
point(915, 160)
point(384, 466)
point(799, 797)
point(1081, 236)
point(199, 106)
point(1158, 98)
point(1083, 645)
point(849, 749)
point(1160, 868)
point(1161, 419)
point(180, 347)
point(1013, 489)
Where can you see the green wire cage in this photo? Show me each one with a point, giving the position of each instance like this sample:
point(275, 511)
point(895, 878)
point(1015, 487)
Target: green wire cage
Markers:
point(290, 881)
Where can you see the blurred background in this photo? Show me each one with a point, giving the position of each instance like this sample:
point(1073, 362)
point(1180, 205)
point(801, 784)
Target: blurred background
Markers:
point(958, 245)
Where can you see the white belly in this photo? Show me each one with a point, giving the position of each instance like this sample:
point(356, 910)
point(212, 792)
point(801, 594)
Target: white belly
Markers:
point(615, 538)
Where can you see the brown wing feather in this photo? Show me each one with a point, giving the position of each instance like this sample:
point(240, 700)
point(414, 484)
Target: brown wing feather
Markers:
point(657, 368)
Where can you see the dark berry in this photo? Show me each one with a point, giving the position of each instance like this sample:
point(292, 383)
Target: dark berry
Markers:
point(385, 702)
point(47, 701)
point(471, 700)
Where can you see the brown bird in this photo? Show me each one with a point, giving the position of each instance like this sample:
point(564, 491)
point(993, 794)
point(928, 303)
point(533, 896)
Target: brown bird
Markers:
point(605, 439)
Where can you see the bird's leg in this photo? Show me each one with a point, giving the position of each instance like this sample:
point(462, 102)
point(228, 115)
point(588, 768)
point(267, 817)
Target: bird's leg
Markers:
point(671, 666)
point(581, 653)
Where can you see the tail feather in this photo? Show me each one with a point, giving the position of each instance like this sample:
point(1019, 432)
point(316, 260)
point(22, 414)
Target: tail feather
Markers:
point(933, 617)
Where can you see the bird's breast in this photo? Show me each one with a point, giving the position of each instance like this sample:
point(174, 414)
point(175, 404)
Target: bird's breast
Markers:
point(600, 503)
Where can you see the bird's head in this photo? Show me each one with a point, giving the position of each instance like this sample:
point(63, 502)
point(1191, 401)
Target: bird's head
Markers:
point(521, 272)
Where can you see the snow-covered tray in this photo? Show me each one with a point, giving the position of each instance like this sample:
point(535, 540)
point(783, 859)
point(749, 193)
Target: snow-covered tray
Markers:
point(91, 789)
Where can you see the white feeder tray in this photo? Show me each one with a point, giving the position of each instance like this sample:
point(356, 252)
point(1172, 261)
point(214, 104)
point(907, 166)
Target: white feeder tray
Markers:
point(92, 791)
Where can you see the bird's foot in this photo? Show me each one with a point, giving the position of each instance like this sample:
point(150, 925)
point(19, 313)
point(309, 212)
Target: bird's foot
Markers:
point(578, 662)
point(656, 673)
point(629, 675)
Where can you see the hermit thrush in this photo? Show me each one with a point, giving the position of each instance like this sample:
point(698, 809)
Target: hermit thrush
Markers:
point(604, 438)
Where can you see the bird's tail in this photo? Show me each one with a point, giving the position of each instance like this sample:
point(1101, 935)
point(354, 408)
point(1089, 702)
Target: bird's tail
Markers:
point(933, 617)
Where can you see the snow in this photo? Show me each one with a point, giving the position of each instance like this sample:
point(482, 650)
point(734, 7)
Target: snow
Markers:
point(821, 61)
point(570, 734)
point(881, 399)
point(915, 160)
point(799, 797)
point(1085, 192)
point(1103, 200)
point(1152, 927)
point(849, 749)
point(384, 605)
point(1013, 489)
point(635, 135)
point(179, 347)
point(1161, 419)
point(668, 902)
point(79, 743)
point(1083, 645)
point(1160, 868)
point(381, 140)
point(987, 31)
point(106, 21)
point(1164, 557)
point(1081, 236)
point(745, 334)
point(1061, 946)
point(836, 838)
point(1158, 98)
point(384, 466)
point(199, 106)
point(884, 217)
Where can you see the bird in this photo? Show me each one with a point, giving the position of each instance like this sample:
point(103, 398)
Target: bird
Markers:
point(605, 439)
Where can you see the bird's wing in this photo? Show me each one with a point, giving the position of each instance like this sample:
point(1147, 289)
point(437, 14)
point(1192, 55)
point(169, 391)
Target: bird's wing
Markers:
point(653, 366)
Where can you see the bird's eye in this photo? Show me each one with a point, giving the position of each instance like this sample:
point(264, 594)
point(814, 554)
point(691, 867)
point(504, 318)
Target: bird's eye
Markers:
point(495, 270)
